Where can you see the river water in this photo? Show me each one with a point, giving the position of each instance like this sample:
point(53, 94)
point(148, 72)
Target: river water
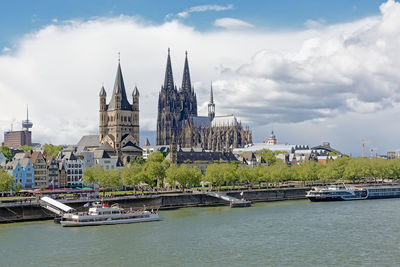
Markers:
point(286, 233)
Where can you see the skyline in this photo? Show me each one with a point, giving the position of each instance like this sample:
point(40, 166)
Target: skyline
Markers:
point(325, 80)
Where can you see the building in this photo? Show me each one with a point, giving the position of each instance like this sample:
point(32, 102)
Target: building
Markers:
point(23, 172)
point(52, 172)
point(119, 121)
point(62, 176)
point(178, 121)
point(198, 157)
point(73, 168)
point(16, 139)
point(40, 168)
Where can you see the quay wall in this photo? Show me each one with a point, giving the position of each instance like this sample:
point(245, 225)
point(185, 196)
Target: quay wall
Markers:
point(18, 212)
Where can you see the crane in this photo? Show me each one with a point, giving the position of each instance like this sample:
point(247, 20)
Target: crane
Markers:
point(372, 150)
point(363, 143)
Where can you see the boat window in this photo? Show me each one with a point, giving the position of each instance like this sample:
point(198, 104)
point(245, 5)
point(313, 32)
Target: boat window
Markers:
point(106, 212)
point(115, 212)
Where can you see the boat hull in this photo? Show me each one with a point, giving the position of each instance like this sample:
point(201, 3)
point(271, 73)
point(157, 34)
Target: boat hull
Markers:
point(153, 217)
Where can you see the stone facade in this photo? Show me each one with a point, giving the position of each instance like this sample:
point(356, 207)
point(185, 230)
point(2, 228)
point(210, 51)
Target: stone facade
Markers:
point(119, 120)
point(178, 122)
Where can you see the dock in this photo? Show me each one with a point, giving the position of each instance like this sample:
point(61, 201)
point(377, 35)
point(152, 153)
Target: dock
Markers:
point(234, 202)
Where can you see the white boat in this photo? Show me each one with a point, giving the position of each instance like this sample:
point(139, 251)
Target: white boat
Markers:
point(101, 214)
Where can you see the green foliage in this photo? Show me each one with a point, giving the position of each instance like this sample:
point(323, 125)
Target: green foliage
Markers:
point(6, 181)
point(139, 160)
point(17, 187)
point(183, 175)
point(134, 174)
point(6, 151)
point(106, 179)
point(268, 156)
point(156, 157)
point(26, 148)
point(51, 150)
point(219, 174)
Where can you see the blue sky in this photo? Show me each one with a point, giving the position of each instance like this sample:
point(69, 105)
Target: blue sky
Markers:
point(21, 17)
point(314, 71)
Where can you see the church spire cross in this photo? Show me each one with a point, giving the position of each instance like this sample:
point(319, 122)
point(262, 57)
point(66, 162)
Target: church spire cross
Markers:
point(119, 57)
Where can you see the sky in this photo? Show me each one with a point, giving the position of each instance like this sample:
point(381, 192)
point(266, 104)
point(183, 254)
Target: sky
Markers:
point(312, 71)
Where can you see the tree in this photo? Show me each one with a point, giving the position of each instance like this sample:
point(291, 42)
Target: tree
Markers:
point(268, 156)
point(133, 174)
point(92, 175)
point(25, 148)
point(156, 157)
point(6, 181)
point(172, 175)
point(6, 151)
point(52, 150)
point(17, 187)
point(214, 174)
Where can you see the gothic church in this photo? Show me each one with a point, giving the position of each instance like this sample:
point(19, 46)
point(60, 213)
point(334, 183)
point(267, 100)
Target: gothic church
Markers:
point(178, 122)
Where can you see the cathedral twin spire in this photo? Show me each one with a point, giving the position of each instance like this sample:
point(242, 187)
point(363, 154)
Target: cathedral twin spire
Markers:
point(169, 78)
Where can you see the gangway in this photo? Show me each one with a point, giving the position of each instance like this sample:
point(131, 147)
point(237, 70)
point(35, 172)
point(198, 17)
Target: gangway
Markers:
point(234, 202)
point(54, 206)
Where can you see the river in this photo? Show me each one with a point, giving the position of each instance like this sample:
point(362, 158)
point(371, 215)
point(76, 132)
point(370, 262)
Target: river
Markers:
point(286, 233)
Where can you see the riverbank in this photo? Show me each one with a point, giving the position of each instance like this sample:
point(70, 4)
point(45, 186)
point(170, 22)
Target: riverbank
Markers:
point(19, 211)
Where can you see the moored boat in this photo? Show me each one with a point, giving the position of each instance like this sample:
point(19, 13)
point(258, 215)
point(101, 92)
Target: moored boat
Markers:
point(343, 192)
point(101, 214)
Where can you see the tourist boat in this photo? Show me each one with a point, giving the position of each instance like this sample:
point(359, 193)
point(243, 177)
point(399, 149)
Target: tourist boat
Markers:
point(101, 214)
point(343, 192)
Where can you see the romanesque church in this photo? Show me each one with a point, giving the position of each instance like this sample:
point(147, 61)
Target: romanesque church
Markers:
point(119, 121)
point(178, 122)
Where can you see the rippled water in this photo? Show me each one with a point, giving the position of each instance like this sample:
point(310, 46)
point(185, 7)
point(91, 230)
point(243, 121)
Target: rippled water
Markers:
point(289, 233)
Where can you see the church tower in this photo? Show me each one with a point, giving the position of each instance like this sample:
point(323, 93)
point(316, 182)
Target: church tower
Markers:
point(119, 120)
point(211, 105)
point(187, 95)
point(169, 109)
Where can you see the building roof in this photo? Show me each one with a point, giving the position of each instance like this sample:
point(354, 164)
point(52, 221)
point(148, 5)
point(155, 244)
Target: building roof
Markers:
point(209, 157)
point(147, 142)
point(228, 120)
point(328, 148)
point(33, 155)
point(131, 147)
point(119, 89)
point(102, 92)
point(89, 141)
point(201, 121)
point(106, 147)
point(100, 154)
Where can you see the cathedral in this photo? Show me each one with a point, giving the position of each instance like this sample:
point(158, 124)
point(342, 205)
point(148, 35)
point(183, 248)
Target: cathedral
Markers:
point(119, 121)
point(178, 122)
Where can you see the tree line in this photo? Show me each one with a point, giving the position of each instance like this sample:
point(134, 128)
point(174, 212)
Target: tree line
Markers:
point(158, 172)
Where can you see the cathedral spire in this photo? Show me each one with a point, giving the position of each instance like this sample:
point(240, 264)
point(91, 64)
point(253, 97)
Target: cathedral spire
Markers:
point(211, 95)
point(119, 92)
point(169, 78)
point(186, 84)
point(211, 105)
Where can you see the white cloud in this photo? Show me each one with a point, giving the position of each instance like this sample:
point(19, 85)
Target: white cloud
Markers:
point(231, 23)
point(310, 23)
point(202, 8)
point(301, 81)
